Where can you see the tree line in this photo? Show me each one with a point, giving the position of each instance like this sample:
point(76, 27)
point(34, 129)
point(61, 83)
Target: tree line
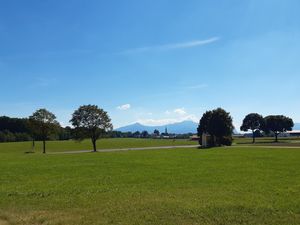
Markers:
point(26, 129)
point(90, 121)
point(218, 125)
point(274, 124)
point(18, 129)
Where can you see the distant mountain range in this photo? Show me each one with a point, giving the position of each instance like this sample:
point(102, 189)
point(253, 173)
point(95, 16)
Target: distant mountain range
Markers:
point(175, 128)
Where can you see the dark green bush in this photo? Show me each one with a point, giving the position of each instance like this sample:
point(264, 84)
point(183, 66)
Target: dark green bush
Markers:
point(226, 141)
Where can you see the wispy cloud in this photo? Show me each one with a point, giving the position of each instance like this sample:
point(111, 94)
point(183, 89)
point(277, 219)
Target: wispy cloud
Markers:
point(180, 111)
point(124, 107)
point(164, 121)
point(166, 47)
point(170, 116)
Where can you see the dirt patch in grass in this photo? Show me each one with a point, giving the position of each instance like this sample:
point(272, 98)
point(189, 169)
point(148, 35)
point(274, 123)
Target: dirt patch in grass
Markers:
point(3, 222)
point(39, 218)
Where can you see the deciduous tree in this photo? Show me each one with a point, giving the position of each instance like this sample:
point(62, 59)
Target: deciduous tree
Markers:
point(253, 122)
point(43, 123)
point(278, 124)
point(90, 121)
point(217, 123)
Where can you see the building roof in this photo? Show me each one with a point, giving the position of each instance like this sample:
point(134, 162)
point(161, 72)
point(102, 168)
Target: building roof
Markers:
point(293, 132)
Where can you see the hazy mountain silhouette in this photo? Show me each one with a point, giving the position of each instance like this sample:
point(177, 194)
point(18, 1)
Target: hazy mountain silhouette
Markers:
point(176, 128)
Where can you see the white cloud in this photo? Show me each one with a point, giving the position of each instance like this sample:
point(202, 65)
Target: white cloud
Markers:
point(180, 111)
point(165, 47)
point(157, 122)
point(167, 112)
point(124, 107)
point(164, 121)
point(191, 43)
point(191, 117)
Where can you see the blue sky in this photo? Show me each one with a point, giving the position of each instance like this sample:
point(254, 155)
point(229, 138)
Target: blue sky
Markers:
point(150, 61)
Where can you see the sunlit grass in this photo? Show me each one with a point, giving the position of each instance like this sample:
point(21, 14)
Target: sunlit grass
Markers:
point(182, 186)
point(115, 143)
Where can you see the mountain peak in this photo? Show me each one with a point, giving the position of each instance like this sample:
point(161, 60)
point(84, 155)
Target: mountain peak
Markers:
point(137, 123)
point(182, 127)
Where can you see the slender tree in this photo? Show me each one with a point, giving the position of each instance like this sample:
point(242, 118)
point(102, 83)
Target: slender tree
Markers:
point(217, 123)
point(90, 121)
point(43, 123)
point(253, 122)
point(278, 124)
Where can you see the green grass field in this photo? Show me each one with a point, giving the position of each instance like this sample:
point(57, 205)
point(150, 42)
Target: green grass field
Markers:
point(116, 143)
point(282, 141)
point(217, 186)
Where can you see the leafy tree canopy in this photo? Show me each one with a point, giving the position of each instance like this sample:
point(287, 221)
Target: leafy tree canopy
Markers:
point(43, 123)
point(91, 121)
point(217, 123)
point(278, 124)
point(253, 122)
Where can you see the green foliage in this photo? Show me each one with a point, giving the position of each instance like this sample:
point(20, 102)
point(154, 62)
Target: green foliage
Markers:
point(7, 136)
point(65, 133)
point(90, 121)
point(137, 134)
point(14, 129)
point(144, 134)
point(156, 132)
point(43, 124)
point(226, 140)
point(253, 122)
point(217, 123)
point(278, 124)
point(14, 125)
point(20, 129)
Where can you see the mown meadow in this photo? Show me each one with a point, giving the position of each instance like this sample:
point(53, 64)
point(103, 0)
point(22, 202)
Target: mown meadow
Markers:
point(106, 143)
point(229, 185)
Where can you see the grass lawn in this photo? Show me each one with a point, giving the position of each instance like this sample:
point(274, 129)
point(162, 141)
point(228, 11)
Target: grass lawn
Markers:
point(115, 143)
point(282, 141)
point(183, 186)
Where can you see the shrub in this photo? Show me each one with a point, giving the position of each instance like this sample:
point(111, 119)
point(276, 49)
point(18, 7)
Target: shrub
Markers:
point(226, 141)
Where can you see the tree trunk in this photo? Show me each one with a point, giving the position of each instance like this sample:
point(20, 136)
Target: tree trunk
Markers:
point(253, 136)
point(218, 140)
point(33, 144)
point(276, 137)
point(213, 141)
point(94, 145)
point(44, 146)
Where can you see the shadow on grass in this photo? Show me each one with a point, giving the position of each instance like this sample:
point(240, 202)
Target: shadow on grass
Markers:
point(211, 147)
point(261, 142)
